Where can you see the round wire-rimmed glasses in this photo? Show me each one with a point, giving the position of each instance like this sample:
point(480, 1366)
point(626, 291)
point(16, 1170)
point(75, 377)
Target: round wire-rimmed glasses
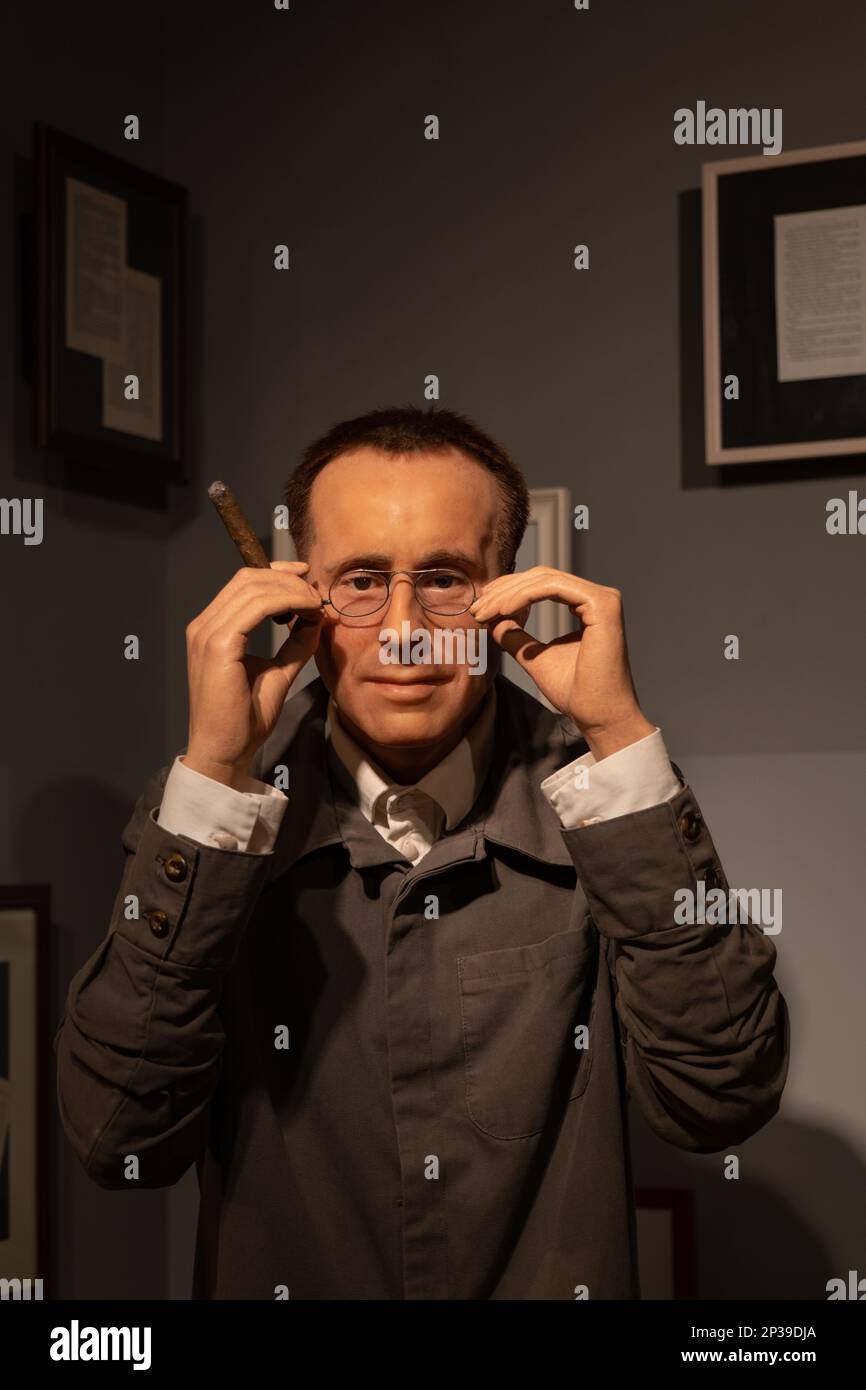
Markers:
point(361, 593)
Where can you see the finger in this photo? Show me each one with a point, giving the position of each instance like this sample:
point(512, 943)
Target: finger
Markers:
point(252, 582)
point(507, 581)
point(248, 577)
point(538, 576)
point(516, 641)
point(555, 585)
point(507, 602)
point(538, 580)
point(300, 644)
point(247, 608)
point(297, 567)
point(527, 581)
point(247, 619)
point(518, 617)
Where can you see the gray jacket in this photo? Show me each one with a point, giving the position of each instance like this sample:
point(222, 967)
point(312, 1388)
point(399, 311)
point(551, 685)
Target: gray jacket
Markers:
point(377, 1068)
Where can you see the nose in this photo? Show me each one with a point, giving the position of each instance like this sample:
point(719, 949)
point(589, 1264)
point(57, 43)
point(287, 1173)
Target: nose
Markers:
point(402, 604)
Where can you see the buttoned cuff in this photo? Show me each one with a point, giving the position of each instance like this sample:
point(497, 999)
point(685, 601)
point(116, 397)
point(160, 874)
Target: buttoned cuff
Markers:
point(213, 814)
point(632, 779)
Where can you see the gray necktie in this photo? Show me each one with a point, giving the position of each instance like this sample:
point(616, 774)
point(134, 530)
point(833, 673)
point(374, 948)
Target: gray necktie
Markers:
point(413, 821)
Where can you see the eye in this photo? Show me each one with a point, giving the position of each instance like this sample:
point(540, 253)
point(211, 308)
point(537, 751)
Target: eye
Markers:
point(359, 581)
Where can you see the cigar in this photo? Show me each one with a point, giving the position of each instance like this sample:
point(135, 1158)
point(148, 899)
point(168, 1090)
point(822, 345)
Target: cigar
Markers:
point(251, 550)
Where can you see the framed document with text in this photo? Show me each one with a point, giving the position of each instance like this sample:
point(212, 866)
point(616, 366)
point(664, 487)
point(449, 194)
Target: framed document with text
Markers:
point(784, 296)
point(109, 309)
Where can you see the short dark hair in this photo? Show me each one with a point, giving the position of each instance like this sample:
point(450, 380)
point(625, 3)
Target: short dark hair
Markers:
point(410, 430)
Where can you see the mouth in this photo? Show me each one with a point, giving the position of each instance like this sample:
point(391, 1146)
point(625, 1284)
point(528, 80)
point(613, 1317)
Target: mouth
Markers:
point(410, 684)
point(409, 687)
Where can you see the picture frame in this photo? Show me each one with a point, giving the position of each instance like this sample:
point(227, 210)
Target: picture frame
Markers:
point(547, 541)
point(109, 298)
point(778, 232)
point(667, 1253)
point(25, 1091)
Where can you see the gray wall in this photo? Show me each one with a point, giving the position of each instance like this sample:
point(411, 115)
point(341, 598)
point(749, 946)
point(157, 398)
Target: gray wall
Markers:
point(410, 257)
point(80, 723)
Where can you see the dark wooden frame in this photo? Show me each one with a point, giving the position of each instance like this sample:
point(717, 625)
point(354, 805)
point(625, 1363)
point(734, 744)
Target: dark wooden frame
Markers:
point(680, 1202)
point(36, 898)
point(166, 460)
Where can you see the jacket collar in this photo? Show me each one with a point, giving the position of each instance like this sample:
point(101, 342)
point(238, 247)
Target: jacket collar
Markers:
point(454, 783)
point(531, 742)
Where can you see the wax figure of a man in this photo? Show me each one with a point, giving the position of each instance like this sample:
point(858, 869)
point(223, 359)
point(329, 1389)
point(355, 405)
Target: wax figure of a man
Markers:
point(393, 1012)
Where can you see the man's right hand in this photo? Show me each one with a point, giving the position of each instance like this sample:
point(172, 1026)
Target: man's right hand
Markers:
point(235, 699)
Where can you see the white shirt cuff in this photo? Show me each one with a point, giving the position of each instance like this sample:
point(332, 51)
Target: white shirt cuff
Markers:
point(216, 815)
point(632, 779)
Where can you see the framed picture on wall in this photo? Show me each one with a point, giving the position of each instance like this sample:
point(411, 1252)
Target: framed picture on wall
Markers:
point(109, 305)
point(784, 295)
point(547, 542)
point(24, 1083)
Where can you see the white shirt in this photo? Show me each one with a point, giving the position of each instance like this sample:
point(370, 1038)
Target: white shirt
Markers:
point(413, 817)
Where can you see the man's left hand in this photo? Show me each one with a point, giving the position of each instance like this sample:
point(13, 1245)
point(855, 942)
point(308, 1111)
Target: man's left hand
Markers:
point(584, 675)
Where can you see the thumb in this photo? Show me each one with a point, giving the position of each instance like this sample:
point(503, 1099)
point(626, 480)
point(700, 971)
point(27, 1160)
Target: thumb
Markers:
point(516, 641)
point(301, 643)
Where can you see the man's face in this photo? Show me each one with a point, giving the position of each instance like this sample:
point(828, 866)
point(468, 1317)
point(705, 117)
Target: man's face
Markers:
point(371, 510)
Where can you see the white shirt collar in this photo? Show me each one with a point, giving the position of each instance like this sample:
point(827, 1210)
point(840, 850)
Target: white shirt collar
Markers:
point(453, 784)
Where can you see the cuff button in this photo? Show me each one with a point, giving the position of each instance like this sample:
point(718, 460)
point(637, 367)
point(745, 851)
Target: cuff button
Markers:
point(690, 826)
point(175, 867)
point(158, 923)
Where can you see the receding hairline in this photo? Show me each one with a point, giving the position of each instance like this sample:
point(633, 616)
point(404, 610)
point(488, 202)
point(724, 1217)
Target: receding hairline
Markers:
point(405, 432)
point(451, 453)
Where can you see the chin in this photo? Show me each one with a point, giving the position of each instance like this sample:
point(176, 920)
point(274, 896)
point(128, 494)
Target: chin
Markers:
point(399, 717)
point(407, 715)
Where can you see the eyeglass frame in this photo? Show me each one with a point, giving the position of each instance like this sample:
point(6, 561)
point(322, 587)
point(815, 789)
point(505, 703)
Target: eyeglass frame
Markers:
point(434, 569)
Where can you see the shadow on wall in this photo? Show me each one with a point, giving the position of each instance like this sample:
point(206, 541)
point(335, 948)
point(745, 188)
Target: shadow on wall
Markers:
point(794, 1218)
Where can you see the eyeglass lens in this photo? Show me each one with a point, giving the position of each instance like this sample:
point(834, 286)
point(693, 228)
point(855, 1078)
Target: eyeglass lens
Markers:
point(358, 593)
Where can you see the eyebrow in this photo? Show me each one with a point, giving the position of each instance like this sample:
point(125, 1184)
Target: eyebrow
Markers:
point(434, 559)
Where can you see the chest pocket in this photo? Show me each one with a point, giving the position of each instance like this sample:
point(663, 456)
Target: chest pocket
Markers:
point(520, 1009)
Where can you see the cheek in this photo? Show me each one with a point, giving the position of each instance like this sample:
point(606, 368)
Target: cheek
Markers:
point(343, 646)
